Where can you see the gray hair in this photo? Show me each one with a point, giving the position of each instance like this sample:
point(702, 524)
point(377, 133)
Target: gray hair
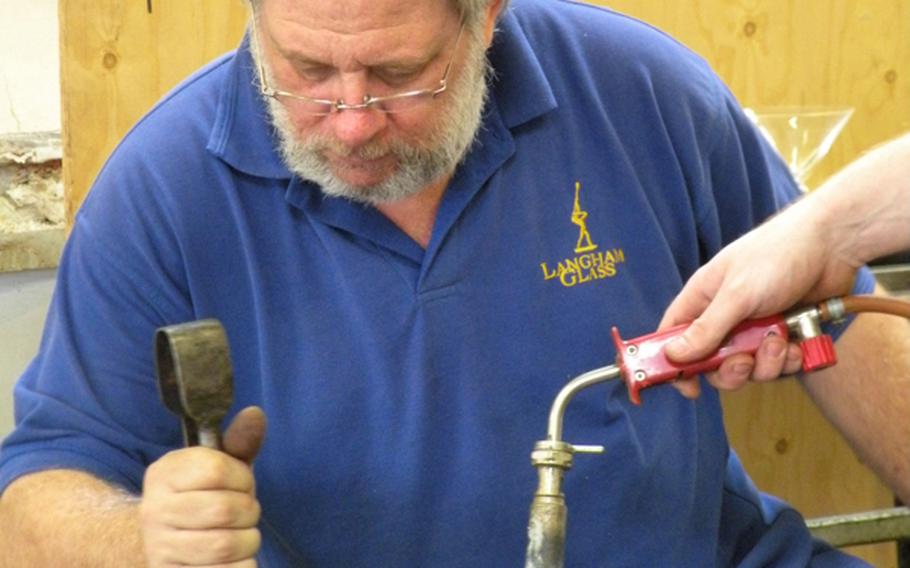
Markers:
point(472, 10)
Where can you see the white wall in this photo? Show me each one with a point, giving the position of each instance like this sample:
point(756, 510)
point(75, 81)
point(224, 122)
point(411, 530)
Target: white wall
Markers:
point(29, 102)
point(23, 304)
point(29, 66)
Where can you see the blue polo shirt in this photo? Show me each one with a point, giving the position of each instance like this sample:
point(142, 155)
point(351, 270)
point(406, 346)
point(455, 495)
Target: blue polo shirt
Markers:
point(404, 387)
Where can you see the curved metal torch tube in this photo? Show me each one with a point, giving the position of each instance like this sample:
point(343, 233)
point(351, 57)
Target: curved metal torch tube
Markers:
point(552, 458)
point(554, 425)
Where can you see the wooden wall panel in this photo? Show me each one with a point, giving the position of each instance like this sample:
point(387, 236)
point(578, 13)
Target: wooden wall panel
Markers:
point(117, 59)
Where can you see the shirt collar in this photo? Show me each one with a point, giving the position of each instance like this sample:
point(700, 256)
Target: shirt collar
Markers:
point(243, 136)
point(520, 87)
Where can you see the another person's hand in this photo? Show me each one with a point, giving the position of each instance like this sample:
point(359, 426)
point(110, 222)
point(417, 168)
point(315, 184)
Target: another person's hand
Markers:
point(199, 505)
point(791, 259)
point(809, 252)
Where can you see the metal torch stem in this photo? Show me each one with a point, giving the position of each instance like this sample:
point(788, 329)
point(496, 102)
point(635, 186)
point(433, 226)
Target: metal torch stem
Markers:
point(547, 524)
point(554, 426)
point(552, 458)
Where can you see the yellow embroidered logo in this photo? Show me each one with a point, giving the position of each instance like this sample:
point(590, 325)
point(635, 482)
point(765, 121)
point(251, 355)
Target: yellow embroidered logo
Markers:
point(588, 264)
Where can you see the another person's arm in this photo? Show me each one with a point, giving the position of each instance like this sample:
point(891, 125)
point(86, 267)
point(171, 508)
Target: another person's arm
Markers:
point(866, 396)
point(809, 252)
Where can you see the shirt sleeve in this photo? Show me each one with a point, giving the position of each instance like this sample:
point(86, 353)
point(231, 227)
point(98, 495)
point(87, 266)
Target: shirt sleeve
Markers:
point(89, 401)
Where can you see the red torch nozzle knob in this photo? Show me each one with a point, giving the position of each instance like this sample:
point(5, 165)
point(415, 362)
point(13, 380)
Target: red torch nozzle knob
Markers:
point(818, 353)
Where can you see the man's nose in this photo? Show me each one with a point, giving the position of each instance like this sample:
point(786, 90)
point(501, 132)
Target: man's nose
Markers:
point(356, 126)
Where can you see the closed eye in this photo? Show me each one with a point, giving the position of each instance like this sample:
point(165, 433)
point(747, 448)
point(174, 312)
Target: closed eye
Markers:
point(313, 73)
point(395, 77)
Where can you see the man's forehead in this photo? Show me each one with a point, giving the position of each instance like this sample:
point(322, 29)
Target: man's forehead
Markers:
point(358, 13)
point(382, 30)
point(374, 24)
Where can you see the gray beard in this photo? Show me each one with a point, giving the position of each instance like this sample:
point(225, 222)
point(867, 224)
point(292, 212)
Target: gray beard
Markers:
point(419, 163)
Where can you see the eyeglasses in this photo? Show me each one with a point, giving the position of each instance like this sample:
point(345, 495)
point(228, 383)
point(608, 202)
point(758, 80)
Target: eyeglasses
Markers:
point(394, 103)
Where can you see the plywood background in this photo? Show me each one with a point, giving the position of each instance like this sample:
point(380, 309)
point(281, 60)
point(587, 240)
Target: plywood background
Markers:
point(118, 58)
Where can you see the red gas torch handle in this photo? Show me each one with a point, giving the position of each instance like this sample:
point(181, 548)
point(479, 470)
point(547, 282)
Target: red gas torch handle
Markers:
point(643, 363)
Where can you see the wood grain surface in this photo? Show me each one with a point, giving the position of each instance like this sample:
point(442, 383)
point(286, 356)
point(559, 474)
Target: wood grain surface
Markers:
point(117, 60)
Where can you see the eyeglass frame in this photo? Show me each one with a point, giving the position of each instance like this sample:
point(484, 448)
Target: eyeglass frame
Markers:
point(338, 105)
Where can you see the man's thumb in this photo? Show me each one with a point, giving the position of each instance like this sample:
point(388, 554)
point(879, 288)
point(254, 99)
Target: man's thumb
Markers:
point(243, 438)
point(699, 340)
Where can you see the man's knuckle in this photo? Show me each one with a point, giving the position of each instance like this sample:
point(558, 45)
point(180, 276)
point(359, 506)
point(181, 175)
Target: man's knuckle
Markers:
point(223, 546)
point(222, 513)
point(212, 472)
point(255, 509)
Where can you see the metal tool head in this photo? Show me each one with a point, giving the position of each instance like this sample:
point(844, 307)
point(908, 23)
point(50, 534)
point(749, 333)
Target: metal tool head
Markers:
point(195, 378)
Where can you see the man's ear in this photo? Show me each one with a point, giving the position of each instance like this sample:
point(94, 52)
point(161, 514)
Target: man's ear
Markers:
point(492, 15)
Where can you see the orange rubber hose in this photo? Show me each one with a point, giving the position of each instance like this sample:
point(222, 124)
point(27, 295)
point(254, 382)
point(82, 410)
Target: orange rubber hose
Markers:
point(857, 304)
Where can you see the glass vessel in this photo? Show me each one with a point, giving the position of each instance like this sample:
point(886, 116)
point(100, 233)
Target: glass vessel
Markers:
point(802, 135)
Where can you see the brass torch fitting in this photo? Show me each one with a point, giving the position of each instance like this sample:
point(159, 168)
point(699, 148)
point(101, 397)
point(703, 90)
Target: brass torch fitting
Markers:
point(547, 524)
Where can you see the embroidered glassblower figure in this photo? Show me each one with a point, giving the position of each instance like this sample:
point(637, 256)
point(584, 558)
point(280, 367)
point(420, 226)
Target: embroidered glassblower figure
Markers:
point(578, 217)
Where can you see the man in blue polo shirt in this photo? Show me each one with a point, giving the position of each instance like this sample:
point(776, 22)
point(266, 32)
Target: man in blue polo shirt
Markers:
point(415, 231)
